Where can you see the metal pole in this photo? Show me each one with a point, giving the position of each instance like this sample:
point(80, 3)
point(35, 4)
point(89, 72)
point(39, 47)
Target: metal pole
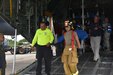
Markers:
point(83, 14)
point(82, 41)
point(29, 18)
point(4, 8)
point(11, 9)
point(41, 4)
point(14, 58)
point(36, 15)
point(29, 23)
point(17, 9)
point(19, 2)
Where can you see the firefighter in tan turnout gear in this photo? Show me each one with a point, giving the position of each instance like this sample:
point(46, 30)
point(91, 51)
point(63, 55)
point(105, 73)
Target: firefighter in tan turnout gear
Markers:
point(69, 56)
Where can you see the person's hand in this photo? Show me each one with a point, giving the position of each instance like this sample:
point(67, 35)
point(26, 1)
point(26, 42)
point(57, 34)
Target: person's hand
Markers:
point(33, 48)
point(79, 51)
point(48, 45)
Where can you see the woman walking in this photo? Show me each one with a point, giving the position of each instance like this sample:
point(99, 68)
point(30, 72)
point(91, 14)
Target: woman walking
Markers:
point(69, 56)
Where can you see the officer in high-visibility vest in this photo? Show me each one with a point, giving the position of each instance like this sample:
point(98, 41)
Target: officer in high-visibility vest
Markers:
point(43, 37)
point(2, 56)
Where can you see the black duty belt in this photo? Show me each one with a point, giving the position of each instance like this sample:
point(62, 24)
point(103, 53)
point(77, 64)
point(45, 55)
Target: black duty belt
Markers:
point(42, 45)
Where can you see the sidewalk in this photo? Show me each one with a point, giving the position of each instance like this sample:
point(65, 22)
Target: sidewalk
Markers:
point(22, 61)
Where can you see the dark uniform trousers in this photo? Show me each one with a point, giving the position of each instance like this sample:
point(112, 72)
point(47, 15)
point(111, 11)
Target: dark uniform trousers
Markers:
point(2, 71)
point(46, 53)
point(2, 61)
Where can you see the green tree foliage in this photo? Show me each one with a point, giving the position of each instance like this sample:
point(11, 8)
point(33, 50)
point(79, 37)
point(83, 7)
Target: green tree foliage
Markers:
point(21, 41)
point(11, 43)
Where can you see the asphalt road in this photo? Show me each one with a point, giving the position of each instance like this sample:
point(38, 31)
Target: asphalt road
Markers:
point(22, 61)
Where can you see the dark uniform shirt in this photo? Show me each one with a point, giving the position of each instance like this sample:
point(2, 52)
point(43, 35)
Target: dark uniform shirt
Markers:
point(95, 29)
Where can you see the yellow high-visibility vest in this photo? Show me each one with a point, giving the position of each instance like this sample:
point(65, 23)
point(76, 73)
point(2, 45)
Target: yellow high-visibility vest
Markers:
point(43, 37)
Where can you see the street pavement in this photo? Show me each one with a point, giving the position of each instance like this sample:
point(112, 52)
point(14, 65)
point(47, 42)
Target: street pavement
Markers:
point(22, 61)
point(86, 65)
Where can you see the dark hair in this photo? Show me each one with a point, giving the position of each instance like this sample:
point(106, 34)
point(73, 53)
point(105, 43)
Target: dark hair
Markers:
point(41, 22)
point(46, 23)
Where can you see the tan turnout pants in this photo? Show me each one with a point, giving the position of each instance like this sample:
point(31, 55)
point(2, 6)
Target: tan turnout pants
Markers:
point(70, 60)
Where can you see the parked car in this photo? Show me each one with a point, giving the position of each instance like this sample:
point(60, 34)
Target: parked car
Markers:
point(22, 49)
point(6, 45)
